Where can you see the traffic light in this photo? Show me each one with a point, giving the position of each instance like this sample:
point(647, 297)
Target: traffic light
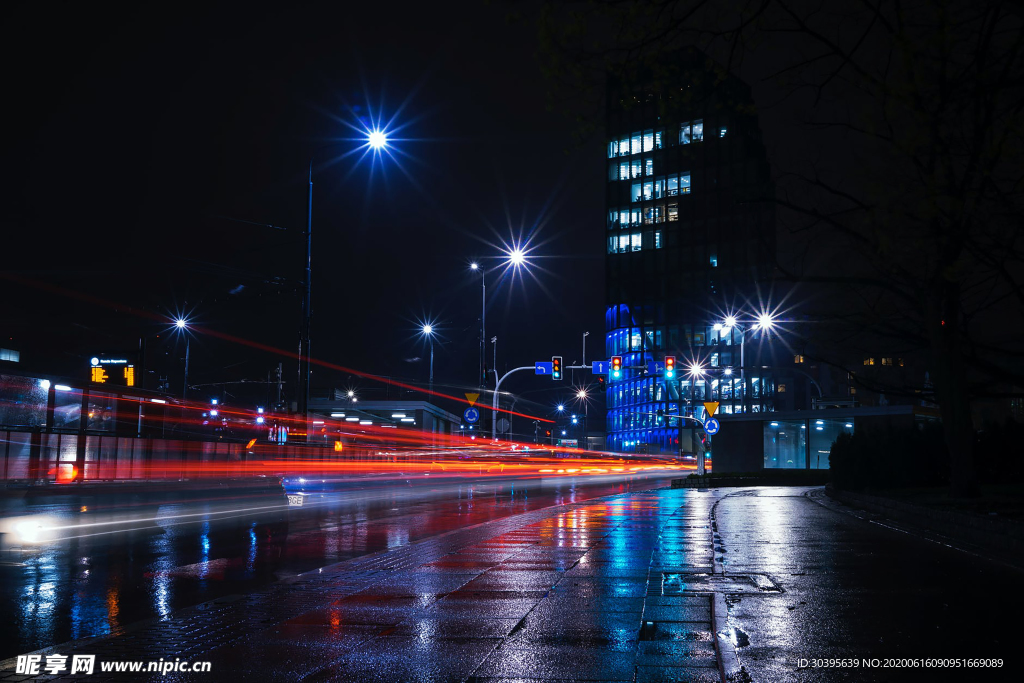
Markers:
point(616, 367)
point(670, 367)
point(556, 367)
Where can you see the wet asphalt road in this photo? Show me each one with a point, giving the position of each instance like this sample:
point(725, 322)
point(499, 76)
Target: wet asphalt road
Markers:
point(605, 589)
point(859, 588)
point(128, 560)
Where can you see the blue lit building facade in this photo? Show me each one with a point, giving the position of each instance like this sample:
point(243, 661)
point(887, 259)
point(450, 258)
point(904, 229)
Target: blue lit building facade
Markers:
point(690, 240)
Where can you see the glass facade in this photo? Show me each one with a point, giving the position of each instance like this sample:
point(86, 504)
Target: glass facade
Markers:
point(802, 444)
point(683, 248)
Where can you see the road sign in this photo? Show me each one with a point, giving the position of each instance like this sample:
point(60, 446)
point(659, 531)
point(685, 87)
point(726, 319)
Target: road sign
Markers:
point(542, 368)
point(472, 398)
point(711, 407)
point(712, 426)
point(599, 367)
point(471, 415)
point(655, 366)
point(503, 424)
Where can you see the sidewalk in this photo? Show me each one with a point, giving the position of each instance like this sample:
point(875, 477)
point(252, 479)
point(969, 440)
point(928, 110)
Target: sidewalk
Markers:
point(618, 588)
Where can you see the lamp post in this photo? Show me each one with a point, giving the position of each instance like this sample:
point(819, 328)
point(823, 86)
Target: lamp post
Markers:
point(765, 321)
point(516, 256)
point(182, 326)
point(428, 332)
point(581, 395)
point(483, 322)
point(375, 140)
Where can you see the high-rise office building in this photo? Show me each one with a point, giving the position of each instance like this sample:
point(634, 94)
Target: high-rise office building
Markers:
point(690, 241)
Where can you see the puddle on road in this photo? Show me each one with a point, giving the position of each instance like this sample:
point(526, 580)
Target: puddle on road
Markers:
point(679, 583)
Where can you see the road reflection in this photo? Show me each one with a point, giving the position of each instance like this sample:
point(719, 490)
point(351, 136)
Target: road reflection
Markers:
point(108, 562)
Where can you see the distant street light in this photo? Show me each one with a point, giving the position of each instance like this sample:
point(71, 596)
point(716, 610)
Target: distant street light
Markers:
point(765, 322)
point(560, 408)
point(377, 140)
point(515, 257)
point(182, 325)
point(428, 332)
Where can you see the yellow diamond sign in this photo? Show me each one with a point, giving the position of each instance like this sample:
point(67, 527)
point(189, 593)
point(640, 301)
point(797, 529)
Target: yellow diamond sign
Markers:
point(473, 397)
point(711, 407)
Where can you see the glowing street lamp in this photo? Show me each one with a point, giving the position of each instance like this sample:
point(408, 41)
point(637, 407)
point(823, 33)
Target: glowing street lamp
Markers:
point(376, 140)
point(515, 257)
point(765, 321)
point(428, 332)
point(181, 324)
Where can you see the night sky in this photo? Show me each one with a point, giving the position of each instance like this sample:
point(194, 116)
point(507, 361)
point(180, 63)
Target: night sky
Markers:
point(134, 136)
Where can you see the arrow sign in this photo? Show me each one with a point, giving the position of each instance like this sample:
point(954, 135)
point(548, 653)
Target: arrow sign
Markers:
point(542, 368)
point(472, 398)
point(471, 415)
point(711, 407)
point(655, 366)
point(599, 367)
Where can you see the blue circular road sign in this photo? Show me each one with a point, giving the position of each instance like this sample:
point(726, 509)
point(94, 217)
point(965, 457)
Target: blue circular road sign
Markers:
point(712, 426)
point(471, 415)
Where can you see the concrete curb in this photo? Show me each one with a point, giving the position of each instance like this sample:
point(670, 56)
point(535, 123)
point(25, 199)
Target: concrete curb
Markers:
point(999, 537)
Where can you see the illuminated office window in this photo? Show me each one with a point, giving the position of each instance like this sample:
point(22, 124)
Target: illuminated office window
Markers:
point(684, 133)
point(697, 131)
point(684, 184)
point(798, 358)
point(634, 146)
point(648, 166)
point(648, 140)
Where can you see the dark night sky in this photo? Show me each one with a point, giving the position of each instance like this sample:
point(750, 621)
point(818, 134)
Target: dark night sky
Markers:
point(130, 132)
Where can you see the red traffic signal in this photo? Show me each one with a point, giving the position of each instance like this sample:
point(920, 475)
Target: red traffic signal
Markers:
point(616, 367)
point(556, 367)
point(670, 367)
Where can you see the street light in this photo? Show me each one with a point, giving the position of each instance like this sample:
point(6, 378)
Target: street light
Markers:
point(182, 325)
point(428, 332)
point(516, 257)
point(765, 321)
point(377, 140)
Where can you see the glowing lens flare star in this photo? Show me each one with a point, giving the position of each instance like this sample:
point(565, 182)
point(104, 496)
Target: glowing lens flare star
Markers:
point(377, 139)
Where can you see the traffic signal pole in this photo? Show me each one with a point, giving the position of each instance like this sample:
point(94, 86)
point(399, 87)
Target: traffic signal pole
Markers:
point(494, 401)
